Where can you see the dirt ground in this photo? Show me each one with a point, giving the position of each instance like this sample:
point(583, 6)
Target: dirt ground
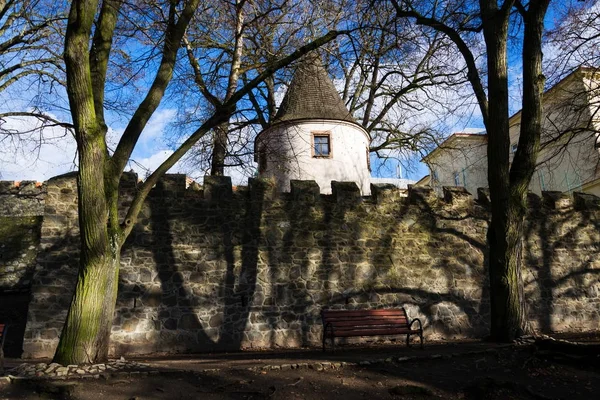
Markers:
point(510, 373)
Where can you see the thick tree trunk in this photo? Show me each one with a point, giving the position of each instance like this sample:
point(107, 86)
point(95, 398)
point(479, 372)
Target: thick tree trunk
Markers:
point(219, 149)
point(86, 333)
point(508, 312)
point(504, 235)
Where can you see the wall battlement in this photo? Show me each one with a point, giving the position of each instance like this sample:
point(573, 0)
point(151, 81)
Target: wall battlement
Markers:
point(24, 198)
point(221, 268)
point(27, 197)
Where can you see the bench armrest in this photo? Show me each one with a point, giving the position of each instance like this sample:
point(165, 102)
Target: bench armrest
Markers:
point(416, 320)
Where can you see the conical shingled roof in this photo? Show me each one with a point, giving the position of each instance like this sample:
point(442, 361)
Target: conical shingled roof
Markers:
point(311, 95)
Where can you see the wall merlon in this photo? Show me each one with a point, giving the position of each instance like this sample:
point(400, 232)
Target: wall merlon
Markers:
point(262, 189)
point(557, 200)
point(129, 180)
point(458, 196)
point(171, 185)
point(585, 201)
point(385, 193)
point(483, 196)
point(217, 188)
point(346, 192)
point(305, 191)
point(421, 195)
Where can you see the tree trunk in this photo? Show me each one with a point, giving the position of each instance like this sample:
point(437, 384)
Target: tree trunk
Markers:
point(219, 149)
point(504, 234)
point(85, 335)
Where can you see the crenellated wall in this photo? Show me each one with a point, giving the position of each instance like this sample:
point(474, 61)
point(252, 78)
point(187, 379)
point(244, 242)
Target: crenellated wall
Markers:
point(21, 210)
point(215, 269)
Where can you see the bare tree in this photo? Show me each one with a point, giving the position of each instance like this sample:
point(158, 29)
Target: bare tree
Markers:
point(464, 22)
point(88, 51)
point(261, 32)
point(30, 57)
point(392, 71)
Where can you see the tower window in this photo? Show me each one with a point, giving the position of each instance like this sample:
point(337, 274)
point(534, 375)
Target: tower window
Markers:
point(456, 179)
point(321, 144)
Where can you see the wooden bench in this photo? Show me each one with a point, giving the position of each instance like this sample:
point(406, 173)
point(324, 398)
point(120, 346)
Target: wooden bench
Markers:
point(342, 323)
point(3, 330)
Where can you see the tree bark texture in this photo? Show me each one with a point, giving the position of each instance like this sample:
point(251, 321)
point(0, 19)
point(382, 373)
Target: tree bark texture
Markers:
point(509, 187)
point(220, 134)
point(86, 332)
point(506, 227)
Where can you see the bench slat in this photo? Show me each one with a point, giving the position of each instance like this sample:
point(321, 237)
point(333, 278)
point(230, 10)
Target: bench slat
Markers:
point(370, 321)
point(372, 332)
point(363, 316)
point(361, 313)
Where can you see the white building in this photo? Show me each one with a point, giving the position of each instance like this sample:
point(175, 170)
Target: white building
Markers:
point(314, 136)
point(569, 158)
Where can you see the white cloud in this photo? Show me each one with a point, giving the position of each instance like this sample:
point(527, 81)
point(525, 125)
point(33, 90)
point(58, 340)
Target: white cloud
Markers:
point(38, 154)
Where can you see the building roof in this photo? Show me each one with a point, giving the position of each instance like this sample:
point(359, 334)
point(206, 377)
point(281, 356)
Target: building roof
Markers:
point(452, 138)
point(312, 95)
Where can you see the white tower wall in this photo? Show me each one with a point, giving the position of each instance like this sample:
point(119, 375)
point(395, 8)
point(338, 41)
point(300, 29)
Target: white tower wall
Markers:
point(286, 151)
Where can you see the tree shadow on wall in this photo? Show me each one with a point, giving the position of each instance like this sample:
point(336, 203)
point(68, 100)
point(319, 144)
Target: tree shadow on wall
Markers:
point(555, 239)
point(197, 302)
point(17, 235)
point(455, 253)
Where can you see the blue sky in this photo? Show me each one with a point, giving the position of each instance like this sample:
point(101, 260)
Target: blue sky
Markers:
point(31, 160)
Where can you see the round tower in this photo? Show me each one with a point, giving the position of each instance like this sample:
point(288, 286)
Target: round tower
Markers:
point(313, 135)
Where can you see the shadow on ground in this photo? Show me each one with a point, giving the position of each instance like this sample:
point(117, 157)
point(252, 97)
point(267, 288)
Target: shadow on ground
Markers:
point(510, 373)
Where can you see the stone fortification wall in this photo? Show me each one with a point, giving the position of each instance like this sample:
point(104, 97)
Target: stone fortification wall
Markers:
point(21, 199)
point(214, 269)
point(21, 209)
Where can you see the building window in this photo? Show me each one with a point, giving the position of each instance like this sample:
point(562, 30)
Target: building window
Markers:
point(321, 144)
point(513, 148)
point(456, 179)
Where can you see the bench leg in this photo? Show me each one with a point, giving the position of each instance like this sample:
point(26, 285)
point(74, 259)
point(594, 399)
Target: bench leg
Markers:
point(421, 336)
point(408, 340)
point(1, 360)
